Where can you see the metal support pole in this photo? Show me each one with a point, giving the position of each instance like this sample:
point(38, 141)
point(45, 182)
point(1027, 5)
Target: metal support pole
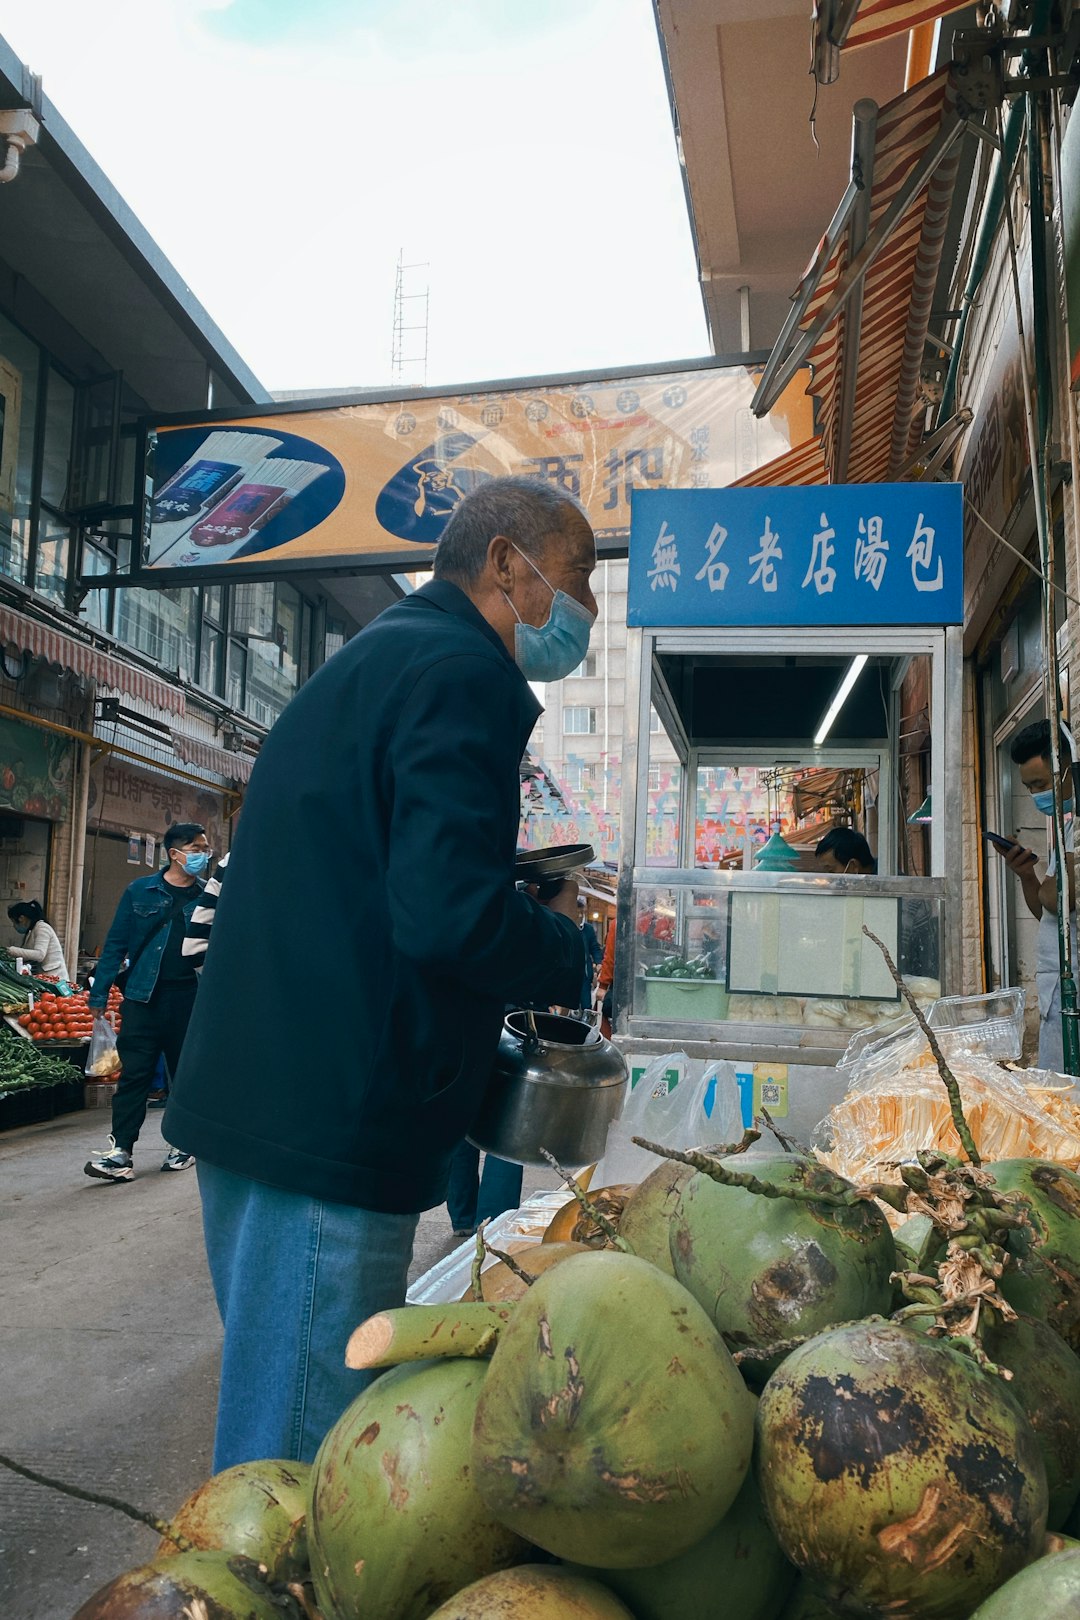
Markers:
point(1070, 1027)
point(1039, 423)
point(776, 378)
point(863, 142)
point(766, 396)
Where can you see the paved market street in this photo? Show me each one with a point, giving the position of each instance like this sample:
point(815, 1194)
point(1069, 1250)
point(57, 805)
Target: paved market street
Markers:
point(109, 1344)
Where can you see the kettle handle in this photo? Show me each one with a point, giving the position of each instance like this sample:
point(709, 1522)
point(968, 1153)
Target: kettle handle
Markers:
point(532, 1040)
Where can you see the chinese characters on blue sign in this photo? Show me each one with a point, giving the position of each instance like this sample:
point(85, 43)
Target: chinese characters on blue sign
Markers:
point(797, 554)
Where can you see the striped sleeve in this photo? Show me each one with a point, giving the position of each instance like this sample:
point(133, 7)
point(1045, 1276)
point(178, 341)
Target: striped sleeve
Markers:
point(197, 933)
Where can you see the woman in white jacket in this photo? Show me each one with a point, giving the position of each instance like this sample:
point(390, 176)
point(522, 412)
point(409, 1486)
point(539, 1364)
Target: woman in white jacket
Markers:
point(40, 945)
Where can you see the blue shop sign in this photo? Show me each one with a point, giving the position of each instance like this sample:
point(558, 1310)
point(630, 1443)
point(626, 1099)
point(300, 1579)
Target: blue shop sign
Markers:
point(797, 554)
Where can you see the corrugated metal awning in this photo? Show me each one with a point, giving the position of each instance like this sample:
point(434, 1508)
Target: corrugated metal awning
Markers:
point(916, 155)
point(20, 631)
point(222, 761)
point(805, 464)
point(880, 19)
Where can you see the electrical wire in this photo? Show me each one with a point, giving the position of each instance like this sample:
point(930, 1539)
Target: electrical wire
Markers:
point(1027, 562)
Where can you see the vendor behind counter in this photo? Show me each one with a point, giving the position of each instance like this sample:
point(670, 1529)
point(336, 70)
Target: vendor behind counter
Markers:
point(40, 948)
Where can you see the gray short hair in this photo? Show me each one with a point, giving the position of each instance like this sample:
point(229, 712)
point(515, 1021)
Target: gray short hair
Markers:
point(526, 510)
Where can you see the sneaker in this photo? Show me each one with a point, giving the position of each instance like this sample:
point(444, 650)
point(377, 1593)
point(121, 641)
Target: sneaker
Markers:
point(176, 1159)
point(157, 1099)
point(112, 1165)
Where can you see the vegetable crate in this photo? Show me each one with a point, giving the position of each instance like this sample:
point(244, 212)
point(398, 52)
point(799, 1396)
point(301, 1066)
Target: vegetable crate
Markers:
point(34, 1105)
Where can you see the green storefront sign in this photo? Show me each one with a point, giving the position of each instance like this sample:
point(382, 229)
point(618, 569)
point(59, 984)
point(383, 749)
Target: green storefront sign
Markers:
point(36, 768)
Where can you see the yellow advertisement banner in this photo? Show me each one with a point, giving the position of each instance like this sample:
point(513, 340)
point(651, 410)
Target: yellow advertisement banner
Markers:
point(369, 483)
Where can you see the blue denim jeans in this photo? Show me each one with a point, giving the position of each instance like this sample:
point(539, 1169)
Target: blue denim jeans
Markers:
point(293, 1277)
point(472, 1198)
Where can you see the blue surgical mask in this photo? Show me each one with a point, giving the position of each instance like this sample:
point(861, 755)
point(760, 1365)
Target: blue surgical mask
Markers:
point(549, 651)
point(196, 863)
point(1044, 803)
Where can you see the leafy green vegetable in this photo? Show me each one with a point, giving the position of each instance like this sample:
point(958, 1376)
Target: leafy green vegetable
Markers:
point(23, 1066)
point(682, 967)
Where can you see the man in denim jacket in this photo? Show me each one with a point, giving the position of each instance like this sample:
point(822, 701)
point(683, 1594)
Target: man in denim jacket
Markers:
point(159, 991)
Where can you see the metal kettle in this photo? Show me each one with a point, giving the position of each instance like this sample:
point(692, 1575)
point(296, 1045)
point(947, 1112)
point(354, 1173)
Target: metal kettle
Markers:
point(557, 1084)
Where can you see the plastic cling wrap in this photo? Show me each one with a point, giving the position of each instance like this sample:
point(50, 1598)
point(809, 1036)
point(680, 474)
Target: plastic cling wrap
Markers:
point(896, 1104)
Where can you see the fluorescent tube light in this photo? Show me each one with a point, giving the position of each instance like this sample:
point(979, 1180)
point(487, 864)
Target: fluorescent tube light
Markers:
point(851, 675)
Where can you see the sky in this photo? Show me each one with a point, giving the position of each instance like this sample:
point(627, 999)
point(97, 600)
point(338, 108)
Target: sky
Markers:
point(283, 153)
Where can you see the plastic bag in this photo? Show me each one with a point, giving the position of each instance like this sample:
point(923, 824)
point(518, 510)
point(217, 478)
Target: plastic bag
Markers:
point(103, 1060)
point(666, 1108)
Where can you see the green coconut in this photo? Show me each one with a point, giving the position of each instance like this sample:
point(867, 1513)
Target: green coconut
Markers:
point(395, 1524)
point(739, 1558)
point(646, 1220)
point(1046, 1384)
point(807, 1603)
point(1046, 1590)
point(897, 1475)
point(258, 1509)
point(203, 1584)
point(613, 1428)
point(533, 1592)
point(771, 1269)
point(1044, 1280)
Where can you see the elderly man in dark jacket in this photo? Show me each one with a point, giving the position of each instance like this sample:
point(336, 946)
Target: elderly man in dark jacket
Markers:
point(324, 1091)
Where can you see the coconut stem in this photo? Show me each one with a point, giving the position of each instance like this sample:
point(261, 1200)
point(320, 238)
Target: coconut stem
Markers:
point(948, 1078)
point(415, 1332)
point(610, 1231)
point(709, 1166)
point(298, 1592)
point(476, 1288)
point(527, 1277)
point(788, 1143)
point(784, 1347)
point(151, 1520)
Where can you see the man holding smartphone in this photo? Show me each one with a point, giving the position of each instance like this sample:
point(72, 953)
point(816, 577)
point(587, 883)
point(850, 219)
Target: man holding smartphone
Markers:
point(1031, 753)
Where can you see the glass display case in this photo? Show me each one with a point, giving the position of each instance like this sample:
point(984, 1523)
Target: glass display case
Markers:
point(749, 959)
point(736, 938)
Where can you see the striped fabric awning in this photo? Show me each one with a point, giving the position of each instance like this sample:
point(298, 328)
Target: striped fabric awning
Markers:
point(897, 291)
point(222, 761)
point(803, 464)
point(24, 634)
point(879, 19)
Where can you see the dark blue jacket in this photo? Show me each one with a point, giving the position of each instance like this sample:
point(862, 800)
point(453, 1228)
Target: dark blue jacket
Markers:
point(138, 934)
point(370, 935)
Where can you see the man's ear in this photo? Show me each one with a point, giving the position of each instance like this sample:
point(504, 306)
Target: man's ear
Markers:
point(501, 561)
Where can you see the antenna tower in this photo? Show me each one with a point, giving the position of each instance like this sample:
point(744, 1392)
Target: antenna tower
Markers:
point(409, 356)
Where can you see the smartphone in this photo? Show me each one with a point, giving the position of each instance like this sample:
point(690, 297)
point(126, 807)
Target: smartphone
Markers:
point(999, 841)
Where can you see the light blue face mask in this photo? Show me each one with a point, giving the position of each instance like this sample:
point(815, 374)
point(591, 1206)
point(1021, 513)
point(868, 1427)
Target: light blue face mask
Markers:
point(1044, 803)
point(549, 651)
point(196, 863)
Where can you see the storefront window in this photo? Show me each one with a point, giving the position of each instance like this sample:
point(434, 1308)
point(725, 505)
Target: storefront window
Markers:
point(54, 538)
point(160, 623)
point(19, 362)
point(210, 658)
point(237, 675)
point(334, 638)
point(275, 656)
point(56, 450)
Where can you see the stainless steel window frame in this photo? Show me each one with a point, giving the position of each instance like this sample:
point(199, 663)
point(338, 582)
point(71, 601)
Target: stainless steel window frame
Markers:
point(944, 647)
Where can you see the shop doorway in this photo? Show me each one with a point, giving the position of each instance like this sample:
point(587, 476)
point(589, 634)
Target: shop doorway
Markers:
point(109, 869)
point(24, 864)
point(1014, 931)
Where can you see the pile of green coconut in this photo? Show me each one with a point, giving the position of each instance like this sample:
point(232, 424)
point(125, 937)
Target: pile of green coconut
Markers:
point(733, 1390)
